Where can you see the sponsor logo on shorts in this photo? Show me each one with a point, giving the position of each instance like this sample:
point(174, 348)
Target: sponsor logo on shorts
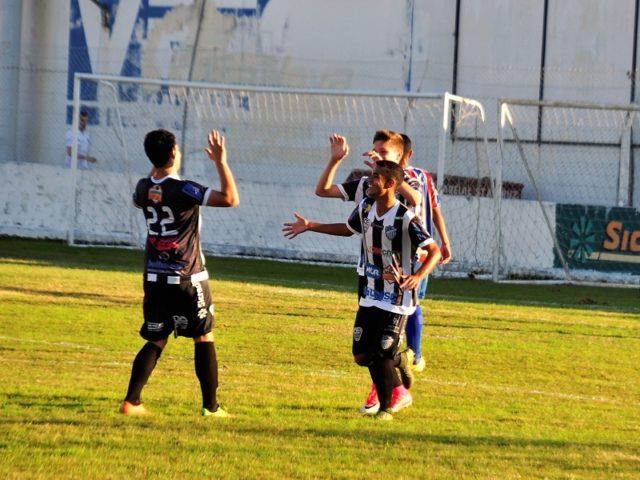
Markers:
point(180, 322)
point(357, 333)
point(155, 327)
point(200, 294)
point(386, 342)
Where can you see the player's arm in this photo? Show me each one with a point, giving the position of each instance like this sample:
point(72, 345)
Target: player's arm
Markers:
point(445, 248)
point(420, 238)
point(410, 194)
point(301, 225)
point(228, 195)
point(83, 157)
point(339, 150)
point(433, 257)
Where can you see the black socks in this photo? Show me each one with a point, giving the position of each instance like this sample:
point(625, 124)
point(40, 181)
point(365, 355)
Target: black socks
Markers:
point(207, 371)
point(143, 365)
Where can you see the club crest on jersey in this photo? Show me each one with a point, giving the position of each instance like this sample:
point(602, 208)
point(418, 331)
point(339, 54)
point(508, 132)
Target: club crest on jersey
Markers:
point(155, 194)
point(390, 231)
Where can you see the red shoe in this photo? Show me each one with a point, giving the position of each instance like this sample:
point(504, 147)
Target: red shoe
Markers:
point(128, 408)
point(372, 404)
point(400, 398)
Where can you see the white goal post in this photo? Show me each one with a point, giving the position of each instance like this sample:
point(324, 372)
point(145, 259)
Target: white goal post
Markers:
point(278, 146)
point(573, 163)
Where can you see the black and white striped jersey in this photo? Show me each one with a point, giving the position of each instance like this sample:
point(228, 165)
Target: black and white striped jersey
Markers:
point(171, 207)
point(356, 191)
point(389, 244)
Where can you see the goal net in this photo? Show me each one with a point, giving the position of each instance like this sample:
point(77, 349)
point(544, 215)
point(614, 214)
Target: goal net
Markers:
point(571, 165)
point(278, 145)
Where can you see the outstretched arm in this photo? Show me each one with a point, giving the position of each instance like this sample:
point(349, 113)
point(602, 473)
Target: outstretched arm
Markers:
point(339, 150)
point(301, 225)
point(217, 151)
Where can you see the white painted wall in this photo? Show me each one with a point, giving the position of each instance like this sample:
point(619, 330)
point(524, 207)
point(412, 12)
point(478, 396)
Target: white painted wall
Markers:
point(10, 15)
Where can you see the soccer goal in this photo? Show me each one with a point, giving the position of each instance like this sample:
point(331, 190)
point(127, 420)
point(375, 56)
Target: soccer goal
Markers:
point(278, 143)
point(573, 166)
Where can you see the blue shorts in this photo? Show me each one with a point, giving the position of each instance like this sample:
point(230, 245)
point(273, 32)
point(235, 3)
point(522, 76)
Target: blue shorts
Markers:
point(422, 289)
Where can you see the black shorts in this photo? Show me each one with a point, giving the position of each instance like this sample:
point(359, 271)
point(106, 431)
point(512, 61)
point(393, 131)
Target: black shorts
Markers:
point(377, 332)
point(185, 309)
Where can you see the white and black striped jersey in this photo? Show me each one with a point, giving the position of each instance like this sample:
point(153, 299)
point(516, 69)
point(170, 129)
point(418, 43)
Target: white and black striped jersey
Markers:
point(171, 208)
point(389, 242)
point(356, 191)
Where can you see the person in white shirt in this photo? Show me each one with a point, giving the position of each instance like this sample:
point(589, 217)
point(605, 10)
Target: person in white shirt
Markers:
point(85, 161)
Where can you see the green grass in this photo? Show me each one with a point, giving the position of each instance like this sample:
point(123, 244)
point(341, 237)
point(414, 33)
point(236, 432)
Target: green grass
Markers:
point(522, 381)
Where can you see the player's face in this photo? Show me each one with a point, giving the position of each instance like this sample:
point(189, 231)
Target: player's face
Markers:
point(83, 122)
point(377, 186)
point(387, 151)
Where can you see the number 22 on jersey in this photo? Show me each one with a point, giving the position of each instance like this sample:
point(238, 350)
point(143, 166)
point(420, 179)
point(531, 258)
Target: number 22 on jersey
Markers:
point(166, 220)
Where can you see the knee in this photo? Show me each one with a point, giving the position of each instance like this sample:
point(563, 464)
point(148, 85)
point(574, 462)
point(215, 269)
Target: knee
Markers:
point(207, 337)
point(362, 359)
point(159, 343)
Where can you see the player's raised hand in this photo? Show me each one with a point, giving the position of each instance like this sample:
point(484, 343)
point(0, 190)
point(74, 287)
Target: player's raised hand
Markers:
point(373, 158)
point(216, 149)
point(292, 230)
point(339, 147)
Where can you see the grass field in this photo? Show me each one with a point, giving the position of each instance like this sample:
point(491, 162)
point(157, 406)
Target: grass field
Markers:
point(521, 381)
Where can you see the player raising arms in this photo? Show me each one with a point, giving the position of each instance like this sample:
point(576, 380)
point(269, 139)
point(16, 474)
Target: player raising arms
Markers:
point(391, 235)
point(176, 290)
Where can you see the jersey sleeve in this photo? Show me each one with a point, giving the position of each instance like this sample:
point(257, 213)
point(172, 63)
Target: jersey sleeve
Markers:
point(434, 198)
point(354, 223)
point(418, 234)
point(195, 194)
point(137, 194)
point(348, 190)
point(68, 139)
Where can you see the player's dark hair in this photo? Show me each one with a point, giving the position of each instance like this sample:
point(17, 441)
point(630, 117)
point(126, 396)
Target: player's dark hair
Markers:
point(390, 171)
point(158, 145)
point(407, 146)
point(394, 138)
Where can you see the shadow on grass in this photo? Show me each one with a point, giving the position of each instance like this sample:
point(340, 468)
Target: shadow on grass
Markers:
point(319, 277)
point(108, 299)
point(551, 330)
point(384, 436)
